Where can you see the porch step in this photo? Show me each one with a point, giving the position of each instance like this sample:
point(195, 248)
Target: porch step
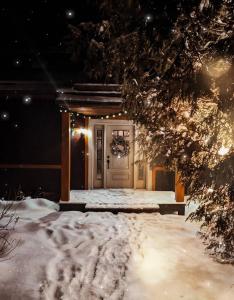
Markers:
point(170, 208)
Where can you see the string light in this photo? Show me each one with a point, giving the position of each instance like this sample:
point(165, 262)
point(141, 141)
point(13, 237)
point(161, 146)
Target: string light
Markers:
point(74, 115)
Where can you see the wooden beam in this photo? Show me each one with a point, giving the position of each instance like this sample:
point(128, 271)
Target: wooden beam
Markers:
point(30, 166)
point(97, 87)
point(179, 188)
point(86, 156)
point(73, 98)
point(65, 157)
point(95, 110)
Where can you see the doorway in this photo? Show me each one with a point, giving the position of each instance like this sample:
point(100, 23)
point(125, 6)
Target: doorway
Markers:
point(111, 154)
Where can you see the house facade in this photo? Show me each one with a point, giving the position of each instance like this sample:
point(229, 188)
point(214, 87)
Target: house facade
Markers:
point(71, 138)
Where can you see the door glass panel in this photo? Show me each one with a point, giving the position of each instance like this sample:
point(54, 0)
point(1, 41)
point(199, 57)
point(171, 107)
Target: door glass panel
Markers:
point(99, 154)
point(124, 133)
point(141, 172)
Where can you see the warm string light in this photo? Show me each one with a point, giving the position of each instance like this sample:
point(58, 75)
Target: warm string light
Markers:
point(75, 115)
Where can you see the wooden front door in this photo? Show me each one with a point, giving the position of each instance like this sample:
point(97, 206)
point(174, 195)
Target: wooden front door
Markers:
point(119, 160)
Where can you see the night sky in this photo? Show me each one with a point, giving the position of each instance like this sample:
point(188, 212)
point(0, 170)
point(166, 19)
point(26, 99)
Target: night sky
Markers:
point(35, 37)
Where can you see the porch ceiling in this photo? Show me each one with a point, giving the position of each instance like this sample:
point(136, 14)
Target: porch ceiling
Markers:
point(95, 110)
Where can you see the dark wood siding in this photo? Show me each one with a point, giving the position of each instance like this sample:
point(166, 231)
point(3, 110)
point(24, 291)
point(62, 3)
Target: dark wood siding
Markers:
point(36, 140)
point(165, 181)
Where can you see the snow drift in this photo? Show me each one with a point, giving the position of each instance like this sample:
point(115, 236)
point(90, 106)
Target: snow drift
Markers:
point(86, 256)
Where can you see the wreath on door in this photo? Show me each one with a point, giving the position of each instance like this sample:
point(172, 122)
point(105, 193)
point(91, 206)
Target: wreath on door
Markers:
point(120, 147)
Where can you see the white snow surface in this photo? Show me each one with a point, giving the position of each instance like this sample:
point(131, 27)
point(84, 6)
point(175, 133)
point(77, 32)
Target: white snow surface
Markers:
point(87, 256)
point(121, 198)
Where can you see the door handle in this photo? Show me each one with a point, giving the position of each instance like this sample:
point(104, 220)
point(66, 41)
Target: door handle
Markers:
point(108, 162)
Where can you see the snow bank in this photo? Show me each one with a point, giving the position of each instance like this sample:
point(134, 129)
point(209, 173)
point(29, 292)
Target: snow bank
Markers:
point(30, 204)
point(88, 256)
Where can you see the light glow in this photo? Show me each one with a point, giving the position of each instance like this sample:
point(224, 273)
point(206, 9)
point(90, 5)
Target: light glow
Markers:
point(218, 68)
point(223, 151)
point(84, 131)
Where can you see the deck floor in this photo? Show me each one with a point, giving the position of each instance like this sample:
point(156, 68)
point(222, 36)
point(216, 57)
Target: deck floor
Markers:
point(122, 198)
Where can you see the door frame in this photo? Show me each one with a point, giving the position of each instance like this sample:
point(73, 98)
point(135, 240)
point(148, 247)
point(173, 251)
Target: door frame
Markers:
point(91, 146)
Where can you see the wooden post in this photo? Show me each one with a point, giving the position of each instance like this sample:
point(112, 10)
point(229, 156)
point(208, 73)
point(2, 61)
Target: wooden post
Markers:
point(179, 188)
point(65, 157)
point(86, 156)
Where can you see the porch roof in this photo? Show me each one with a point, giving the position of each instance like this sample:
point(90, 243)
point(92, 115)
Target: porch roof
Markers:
point(73, 94)
point(84, 98)
point(91, 99)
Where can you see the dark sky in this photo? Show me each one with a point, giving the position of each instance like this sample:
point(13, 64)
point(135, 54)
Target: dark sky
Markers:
point(34, 37)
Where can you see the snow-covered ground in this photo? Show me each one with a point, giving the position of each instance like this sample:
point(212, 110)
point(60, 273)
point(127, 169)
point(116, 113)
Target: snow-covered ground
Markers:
point(87, 256)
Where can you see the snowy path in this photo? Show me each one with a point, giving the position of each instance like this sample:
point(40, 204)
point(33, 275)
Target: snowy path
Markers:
point(89, 256)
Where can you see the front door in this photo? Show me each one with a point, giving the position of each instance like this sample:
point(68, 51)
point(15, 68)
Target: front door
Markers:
point(119, 156)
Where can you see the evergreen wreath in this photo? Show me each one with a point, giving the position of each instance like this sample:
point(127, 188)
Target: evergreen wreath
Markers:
point(120, 147)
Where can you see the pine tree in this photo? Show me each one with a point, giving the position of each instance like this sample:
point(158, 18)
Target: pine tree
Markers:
point(174, 60)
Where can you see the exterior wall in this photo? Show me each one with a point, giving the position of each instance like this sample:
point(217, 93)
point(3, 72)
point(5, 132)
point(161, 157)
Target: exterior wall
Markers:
point(78, 159)
point(36, 140)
